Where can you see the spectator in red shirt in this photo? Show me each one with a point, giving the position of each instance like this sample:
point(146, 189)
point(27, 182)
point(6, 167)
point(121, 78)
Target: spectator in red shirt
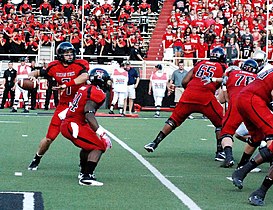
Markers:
point(8, 6)
point(89, 47)
point(45, 8)
point(31, 48)
point(188, 50)
point(202, 48)
point(75, 40)
point(45, 38)
point(270, 50)
point(67, 9)
point(25, 7)
point(107, 7)
point(167, 39)
point(87, 8)
point(177, 45)
point(128, 8)
point(217, 43)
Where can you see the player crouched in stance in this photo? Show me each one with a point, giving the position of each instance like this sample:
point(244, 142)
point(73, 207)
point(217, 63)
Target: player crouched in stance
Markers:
point(255, 108)
point(233, 82)
point(81, 127)
point(70, 73)
point(198, 97)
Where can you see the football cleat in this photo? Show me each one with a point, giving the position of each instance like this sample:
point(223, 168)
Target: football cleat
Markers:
point(111, 112)
point(156, 115)
point(89, 180)
point(13, 110)
point(33, 166)
point(151, 146)
point(25, 111)
point(228, 163)
point(237, 178)
point(220, 156)
point(256, 198)
point(81, 175)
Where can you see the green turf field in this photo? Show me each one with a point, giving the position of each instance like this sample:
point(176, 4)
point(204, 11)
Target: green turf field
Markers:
point(185, 158)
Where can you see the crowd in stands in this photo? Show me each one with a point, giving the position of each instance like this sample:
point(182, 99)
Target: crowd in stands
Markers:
point(23, 28)
point(195, 27)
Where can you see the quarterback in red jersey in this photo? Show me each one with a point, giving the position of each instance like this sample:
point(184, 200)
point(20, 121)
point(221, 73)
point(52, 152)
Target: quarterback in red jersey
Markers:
point(255, 109)
point(71, 74)
point(198, 97)
point(81, 127)
point(235, 80)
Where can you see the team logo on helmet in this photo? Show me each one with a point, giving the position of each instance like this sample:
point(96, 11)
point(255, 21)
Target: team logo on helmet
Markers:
point(99, 77)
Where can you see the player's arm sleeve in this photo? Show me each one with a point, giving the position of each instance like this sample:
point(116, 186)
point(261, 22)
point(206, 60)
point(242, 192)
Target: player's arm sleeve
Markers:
point(90, 110)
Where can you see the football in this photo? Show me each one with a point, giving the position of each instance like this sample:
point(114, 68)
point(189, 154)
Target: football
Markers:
point(27, 84)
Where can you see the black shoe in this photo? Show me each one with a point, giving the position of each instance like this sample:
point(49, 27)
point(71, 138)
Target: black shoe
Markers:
point(220, 156)
point(33, 166)
point(46, 108)
point(228, 163)
point(1, 107)
point(151, 146)
point(25, 111)
point(238, 178)
point(111, 112)
point(257, 198)
point(32, 108)
point(13, 110)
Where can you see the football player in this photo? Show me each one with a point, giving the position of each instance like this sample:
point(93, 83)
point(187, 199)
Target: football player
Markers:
point(81, 127)
point(198, 97)
point(234, 81)
point(71, 74)
point(255, 109)
point(242, 133)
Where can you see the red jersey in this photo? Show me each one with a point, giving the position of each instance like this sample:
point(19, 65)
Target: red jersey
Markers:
point(237, 80)
point(84, 94)
point(198, 93)
point(262, 86)
point(63, 74)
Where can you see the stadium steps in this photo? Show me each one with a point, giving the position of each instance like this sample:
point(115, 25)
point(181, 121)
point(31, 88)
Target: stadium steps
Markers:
point(155, 47)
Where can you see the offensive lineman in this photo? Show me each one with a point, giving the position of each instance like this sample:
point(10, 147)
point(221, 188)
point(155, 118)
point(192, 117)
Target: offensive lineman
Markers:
point(236, 79)
point(198, 97)
point(255, 110)
point(71, 74)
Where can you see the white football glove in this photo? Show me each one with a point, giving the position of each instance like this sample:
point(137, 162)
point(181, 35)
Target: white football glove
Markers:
point(206, 80)
point(106, 138)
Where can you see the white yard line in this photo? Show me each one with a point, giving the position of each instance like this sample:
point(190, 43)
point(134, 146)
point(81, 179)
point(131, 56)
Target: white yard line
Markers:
point(178, 193)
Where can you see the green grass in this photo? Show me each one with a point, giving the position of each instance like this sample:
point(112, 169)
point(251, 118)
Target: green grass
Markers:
point(183, 158)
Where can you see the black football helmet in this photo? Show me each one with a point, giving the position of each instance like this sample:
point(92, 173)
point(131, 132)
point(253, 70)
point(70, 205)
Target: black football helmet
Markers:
point(100, 77)
point(250, 65)
point(218, 55)
point(65, 47)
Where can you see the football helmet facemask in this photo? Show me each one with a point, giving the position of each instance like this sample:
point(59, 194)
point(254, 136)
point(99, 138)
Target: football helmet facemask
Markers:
point(250, 65)
point(218, 55)
point(66, 52)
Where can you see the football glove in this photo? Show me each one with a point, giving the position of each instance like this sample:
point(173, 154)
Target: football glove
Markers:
point(225, 78)
point(206, 80)
point(107, 140)
point(103, 136)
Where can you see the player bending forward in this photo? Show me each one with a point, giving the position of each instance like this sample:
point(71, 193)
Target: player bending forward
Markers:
point(70, 74)
point(81, 127)
point(198, 98)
